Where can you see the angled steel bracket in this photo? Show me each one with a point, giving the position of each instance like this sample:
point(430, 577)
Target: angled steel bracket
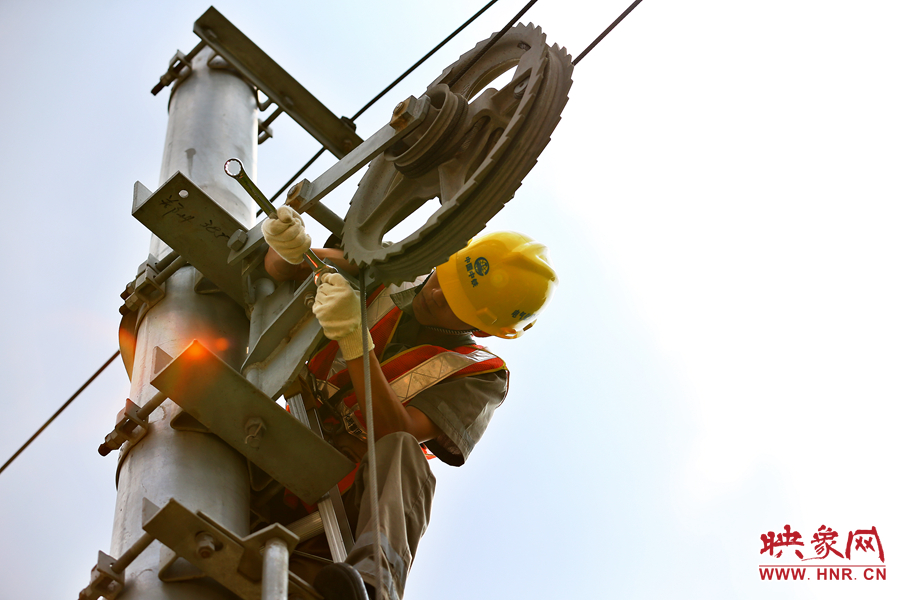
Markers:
point(233, 561)
point(221, 35)
point(250, 422)
point(195, 226)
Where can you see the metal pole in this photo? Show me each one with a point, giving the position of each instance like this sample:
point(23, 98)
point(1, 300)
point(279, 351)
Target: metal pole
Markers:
point(275, 570)
point(212, 116)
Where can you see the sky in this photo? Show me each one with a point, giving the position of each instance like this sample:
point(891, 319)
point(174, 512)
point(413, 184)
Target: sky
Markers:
point(720, 201)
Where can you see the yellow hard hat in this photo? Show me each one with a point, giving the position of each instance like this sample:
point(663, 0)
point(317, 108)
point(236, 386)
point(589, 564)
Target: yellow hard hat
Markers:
point(499, 283)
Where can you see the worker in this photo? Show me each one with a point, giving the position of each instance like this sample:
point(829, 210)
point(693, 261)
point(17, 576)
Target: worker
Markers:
point(496, 286)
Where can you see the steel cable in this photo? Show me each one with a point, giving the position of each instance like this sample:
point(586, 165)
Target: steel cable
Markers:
point(606, 32)
point(386, 90)
point(370, 433)
point(61, 408)
point(490, 43)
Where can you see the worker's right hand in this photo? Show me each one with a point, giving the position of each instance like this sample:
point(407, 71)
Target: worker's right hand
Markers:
point(337, 307)
point(285, 233)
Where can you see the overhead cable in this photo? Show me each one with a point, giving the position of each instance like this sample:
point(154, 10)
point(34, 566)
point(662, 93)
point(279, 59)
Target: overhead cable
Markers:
point(386, 90)
point(61, 408)
point(490, 43)
point(606, 31)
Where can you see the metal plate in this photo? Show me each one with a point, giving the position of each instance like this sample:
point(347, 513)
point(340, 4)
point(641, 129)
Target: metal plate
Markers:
point(236, 563)
point(254, 64)
point(193, 225)
point(223, 400)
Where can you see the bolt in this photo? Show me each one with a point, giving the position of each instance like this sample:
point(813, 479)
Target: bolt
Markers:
point(310, 300)
point(237, 240)
point(183, 193)
point(399, 108)
point(519, 90)
point(206, 544)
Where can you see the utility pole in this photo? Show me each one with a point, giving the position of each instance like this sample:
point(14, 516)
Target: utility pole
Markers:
point(212, 116)
point(210, 340)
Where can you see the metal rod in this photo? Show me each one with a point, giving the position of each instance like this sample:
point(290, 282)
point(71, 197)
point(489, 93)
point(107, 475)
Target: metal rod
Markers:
point(126, 559)
point(165, 261)
point(151, 405)
point(170, 268)
point(272, 117)
point(275, 570)
point(370, 435)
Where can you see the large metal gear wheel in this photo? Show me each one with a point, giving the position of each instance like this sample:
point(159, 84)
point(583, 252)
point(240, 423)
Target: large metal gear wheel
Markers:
point(471, 155)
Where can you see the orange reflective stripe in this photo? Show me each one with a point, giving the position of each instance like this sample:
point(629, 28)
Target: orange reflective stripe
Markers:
point(401, 364)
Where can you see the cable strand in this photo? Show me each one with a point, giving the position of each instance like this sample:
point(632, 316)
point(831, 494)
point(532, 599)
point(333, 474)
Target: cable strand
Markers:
point(378, 97)
point(606, 32)
point(490, 43)
point(61, 408)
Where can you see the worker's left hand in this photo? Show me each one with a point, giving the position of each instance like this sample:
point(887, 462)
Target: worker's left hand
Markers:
point(338, 311)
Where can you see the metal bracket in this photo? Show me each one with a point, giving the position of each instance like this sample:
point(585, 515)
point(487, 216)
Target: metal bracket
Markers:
point(276, 83)
point(179, 68)
point(225, 402)
point(193, 225)
point(105, 583)
point(129, 428)
point(305, 196)
point(144, 289)
point(108, 575)
point(233, 561)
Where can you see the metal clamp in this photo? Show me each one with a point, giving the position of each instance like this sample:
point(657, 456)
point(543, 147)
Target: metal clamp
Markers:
point(131, 424)
point(105, 583)
point(108, 575)
point(179, 68)
point(148, 287)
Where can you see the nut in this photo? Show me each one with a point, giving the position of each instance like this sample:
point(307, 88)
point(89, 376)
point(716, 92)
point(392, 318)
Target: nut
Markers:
point(206, 544)
point(401, 116)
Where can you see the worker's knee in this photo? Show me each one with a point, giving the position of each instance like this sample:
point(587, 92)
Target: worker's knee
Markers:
point(402, 450)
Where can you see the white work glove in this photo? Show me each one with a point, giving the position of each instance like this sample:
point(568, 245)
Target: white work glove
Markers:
point(338, 311)
point(286, 234)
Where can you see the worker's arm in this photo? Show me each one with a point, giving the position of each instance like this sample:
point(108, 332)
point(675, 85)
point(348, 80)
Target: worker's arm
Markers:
point(338, 310)
point(389, 413)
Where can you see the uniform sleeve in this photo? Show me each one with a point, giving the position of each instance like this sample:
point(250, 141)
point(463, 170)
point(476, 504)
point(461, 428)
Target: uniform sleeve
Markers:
point(462, 409)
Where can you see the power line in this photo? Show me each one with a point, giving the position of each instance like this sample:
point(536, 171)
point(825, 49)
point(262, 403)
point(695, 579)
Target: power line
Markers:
point(490, 43)
point(386, 90)
point(606, 31)
point(61, 408)
point(423, 59)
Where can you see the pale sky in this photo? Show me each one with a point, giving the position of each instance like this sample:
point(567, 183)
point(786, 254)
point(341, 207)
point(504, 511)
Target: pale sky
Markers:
point(720, 200)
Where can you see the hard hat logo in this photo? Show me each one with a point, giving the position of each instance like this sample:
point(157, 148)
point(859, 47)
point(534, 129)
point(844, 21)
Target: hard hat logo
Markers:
point(482, 266)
